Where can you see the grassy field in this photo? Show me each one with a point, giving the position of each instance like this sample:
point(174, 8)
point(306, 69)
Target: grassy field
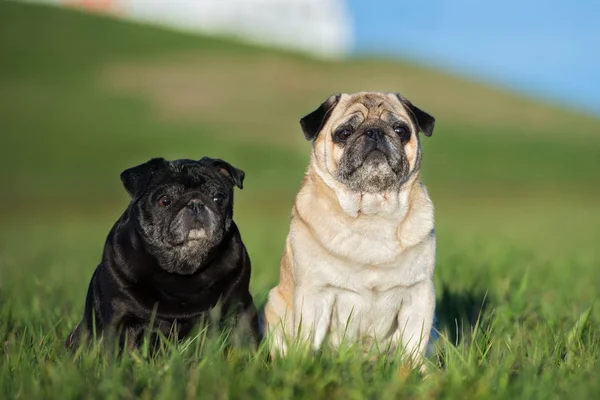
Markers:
point(514, 181)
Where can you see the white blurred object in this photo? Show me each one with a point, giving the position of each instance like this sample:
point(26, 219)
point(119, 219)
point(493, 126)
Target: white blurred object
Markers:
point(319, 27)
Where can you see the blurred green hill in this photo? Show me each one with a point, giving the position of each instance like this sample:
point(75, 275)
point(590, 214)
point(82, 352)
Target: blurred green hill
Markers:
point(84, 97)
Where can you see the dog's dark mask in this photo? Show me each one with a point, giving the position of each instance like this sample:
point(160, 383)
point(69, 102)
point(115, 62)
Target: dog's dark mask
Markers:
point(373, 133)
point(182, 209)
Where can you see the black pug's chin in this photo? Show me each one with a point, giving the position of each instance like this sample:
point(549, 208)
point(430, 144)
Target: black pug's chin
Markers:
point(196, 234)
point(187, 255)
point(184, 259)
point(187, 225)
point(183, 250)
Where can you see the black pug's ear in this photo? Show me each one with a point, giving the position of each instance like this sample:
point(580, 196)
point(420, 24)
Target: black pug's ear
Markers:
point(135, 179)
point(234, 174)
point(425, 122)
point(314, 122)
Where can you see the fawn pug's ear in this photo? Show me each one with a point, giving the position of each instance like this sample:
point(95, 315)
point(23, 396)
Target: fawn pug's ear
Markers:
point(314, 122)
point(423, 120)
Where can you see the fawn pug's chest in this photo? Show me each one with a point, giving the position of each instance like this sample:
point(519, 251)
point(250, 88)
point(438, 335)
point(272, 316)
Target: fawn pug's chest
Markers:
point(360, 274)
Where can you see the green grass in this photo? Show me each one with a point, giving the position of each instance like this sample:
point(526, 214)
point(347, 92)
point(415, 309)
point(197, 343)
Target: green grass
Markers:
point(514, 182)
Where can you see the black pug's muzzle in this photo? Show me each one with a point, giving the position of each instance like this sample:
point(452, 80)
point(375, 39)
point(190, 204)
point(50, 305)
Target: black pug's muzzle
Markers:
point(196, 221)
point(374, 160)
point(184, 237)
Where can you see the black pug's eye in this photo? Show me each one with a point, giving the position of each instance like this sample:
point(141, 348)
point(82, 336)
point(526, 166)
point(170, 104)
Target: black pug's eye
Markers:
point(219, 198)
point(342, 134)
point(402, 131)
point(164, 201)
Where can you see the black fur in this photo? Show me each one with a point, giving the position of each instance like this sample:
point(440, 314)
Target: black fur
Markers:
point(423, 120)
point(314, 122)
point(236, 175)
point(154, 269)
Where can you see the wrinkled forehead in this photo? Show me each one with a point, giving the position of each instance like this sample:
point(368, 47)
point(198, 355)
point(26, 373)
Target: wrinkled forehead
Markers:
point(358, 107)
point(189, 174)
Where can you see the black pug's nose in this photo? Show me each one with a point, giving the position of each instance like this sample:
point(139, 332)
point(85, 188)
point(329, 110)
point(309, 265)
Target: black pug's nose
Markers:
point(196, 206)
point(374, 134)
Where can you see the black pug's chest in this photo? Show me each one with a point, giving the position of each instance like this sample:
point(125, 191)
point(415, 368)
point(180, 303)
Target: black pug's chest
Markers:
point(182, 302)
point(157, 303)
point(174, 306)
point(133, 325)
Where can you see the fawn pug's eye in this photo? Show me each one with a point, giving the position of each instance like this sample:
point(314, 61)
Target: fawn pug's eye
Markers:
point(342, 134)
point(402, 131)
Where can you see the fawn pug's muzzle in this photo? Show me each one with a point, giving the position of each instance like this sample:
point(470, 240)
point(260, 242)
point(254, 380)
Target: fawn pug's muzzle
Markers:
point(373, 159)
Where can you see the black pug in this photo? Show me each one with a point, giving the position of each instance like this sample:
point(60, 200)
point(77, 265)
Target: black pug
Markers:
point(173, 256)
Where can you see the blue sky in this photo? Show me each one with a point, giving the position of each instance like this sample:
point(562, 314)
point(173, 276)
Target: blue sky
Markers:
point(548, 49)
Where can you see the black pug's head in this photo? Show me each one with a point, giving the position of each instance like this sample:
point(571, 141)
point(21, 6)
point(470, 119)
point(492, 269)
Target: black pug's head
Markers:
point(182, 209)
